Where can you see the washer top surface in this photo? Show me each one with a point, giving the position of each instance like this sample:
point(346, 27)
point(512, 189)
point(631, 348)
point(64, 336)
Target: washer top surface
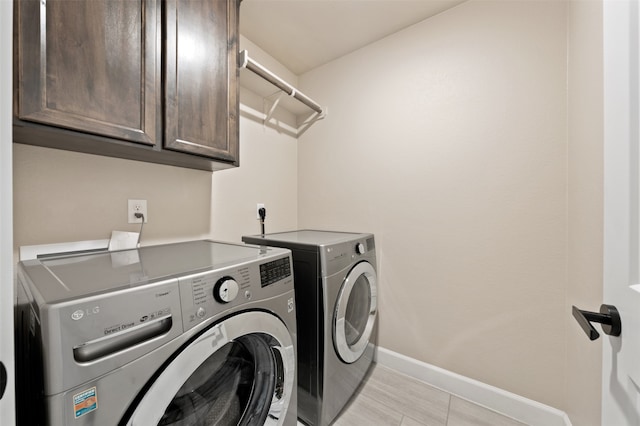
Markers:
point(82, 275)
point(312, 237)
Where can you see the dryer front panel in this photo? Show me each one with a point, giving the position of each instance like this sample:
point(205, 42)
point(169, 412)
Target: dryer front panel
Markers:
point(355, 312)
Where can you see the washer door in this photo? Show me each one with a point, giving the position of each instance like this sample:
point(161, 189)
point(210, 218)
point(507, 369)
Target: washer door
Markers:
point(355, 313)
point(238, 372)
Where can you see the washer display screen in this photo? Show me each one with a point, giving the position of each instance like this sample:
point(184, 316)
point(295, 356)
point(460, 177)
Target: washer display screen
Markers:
point(274, 271)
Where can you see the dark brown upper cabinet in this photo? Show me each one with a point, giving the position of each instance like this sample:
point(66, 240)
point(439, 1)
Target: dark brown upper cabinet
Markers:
point(149, 80)
point(201, 95)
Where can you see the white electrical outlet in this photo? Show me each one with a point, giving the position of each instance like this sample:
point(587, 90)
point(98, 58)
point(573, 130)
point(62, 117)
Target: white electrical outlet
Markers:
point(137, 206)
point(260, 206)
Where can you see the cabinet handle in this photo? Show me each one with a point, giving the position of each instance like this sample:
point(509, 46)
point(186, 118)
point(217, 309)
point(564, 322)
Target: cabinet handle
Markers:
point(608, 317)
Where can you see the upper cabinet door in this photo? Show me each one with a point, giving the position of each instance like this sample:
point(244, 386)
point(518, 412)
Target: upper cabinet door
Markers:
point(92, 66)
point(201, 73)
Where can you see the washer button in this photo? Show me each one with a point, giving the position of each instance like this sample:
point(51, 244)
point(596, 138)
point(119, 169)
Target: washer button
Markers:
point(201, 312)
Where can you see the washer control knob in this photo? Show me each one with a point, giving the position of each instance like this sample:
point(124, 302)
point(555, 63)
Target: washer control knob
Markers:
point(201, 312)
point(360, 248)
point(225, 290)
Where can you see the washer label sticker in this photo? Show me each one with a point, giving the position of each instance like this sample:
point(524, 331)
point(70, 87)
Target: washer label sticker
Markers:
point(85, 402)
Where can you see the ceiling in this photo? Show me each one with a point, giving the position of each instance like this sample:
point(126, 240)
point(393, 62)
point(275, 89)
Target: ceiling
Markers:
point(304, 34)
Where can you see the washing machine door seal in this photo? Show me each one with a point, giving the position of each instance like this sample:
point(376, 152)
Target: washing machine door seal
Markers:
point(355, 312)
point(242, 368)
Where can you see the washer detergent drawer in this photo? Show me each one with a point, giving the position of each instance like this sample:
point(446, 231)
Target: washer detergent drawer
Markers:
point(88, 337)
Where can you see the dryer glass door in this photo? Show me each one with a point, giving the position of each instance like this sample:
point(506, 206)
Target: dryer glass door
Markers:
point(355, 313)
point(231, 375)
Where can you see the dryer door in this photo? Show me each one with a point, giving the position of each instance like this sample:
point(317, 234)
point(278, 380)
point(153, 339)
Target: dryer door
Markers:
point(238, 372)
point(356, 311)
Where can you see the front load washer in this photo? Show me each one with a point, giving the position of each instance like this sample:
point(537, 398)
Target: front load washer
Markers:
point(336, 300)
point(195, 333)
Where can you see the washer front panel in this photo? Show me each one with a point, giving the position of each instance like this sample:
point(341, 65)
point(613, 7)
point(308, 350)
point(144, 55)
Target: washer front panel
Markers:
point(163, 392)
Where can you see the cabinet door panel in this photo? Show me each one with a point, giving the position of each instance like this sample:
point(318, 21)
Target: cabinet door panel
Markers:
point(201, 95)
point(91, 66)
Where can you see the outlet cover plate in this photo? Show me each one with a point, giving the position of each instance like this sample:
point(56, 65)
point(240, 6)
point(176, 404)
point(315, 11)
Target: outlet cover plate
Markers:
point(137, 206)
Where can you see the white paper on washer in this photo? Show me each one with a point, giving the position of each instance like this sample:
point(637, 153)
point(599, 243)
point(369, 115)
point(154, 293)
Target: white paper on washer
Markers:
point(121, 240)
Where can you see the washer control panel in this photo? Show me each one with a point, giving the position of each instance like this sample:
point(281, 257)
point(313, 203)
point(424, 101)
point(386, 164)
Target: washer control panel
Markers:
point(206, 294)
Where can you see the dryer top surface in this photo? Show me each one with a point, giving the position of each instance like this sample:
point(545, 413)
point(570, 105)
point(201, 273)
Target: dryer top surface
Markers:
point(311, 237)
point(70, 277)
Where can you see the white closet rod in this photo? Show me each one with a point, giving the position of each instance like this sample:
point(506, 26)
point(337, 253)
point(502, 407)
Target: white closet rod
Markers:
point(251, 65)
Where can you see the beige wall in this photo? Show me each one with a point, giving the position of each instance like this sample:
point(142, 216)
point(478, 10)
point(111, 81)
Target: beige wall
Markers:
point(62, 196)
point(585, 224)
point(448, 141)
point(267, 174)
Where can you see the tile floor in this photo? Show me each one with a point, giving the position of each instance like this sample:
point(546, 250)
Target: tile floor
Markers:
point(390, 398)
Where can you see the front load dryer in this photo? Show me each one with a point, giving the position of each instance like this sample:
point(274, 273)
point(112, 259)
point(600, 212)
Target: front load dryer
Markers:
point(195, 333)
point(336, 303)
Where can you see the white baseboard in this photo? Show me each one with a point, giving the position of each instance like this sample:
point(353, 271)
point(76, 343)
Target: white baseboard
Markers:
point(515, 406)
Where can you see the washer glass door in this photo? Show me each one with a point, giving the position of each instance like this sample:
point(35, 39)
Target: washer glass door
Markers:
point(355, 312)
point(238, 372)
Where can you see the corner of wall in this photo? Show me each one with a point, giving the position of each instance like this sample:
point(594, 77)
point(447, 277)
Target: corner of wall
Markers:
point(583, 362)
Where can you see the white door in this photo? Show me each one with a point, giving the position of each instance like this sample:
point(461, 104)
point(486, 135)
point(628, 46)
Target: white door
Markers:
point(621, 356)
point(7, 410)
